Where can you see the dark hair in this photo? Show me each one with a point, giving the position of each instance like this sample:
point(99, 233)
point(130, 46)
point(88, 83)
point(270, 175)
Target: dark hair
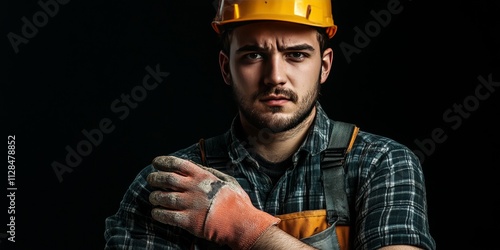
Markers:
point(225, 38)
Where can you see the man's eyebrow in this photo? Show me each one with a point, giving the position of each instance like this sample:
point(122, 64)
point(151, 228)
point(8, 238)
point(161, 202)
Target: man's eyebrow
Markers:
point(247, 48)
point(258, 48)
point(304, 46)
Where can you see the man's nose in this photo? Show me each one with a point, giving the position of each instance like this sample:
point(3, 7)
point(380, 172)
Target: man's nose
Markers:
point(275, 72)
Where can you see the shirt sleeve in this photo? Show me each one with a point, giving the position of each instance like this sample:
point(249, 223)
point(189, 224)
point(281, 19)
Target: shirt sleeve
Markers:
point(132, 226)
point(390, 203)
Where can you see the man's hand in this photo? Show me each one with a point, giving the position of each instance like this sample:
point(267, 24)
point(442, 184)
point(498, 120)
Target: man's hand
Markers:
point(205, 202)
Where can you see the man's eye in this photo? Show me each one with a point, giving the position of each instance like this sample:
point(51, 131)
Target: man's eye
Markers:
point(297, 55)
point(253, 56)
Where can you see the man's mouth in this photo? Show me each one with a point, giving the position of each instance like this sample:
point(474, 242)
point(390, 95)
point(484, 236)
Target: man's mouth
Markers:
point(275, 100)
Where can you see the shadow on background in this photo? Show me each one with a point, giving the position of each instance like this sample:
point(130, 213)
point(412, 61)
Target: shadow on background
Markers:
point(96, 90)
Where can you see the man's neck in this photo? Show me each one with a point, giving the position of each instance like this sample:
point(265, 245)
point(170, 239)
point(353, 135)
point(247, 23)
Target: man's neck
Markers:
point(277, 147)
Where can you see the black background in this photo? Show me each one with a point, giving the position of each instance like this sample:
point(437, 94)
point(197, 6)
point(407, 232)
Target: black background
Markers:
point(427, 59)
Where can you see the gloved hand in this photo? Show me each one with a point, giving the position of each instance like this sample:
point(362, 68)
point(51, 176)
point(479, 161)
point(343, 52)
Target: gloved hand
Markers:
point(205, 202)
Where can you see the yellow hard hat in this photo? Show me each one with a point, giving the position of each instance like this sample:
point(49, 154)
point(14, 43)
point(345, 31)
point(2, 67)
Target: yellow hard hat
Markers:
point(317, 13)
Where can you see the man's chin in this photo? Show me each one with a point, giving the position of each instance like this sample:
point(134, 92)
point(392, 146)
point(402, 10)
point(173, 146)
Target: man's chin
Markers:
point(276, 122)
point(275, 118)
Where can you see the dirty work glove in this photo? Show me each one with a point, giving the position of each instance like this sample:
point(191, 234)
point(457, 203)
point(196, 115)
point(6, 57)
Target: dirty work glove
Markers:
point(205, 202)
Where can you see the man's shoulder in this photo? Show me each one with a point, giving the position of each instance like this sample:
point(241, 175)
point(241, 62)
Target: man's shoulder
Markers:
point(367, 140)
point(190, 152)
point(377, 153)
point(193, 152)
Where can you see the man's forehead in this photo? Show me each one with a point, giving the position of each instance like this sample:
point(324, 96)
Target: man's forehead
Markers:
point(269, 33)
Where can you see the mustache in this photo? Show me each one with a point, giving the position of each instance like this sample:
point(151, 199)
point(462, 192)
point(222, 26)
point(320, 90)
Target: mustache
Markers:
point(287, 93)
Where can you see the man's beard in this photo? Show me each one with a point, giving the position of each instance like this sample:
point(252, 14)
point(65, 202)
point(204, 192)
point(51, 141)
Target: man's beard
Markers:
point(271, 124)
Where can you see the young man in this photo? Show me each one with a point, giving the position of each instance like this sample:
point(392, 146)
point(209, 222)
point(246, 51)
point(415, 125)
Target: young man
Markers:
point(265, 183)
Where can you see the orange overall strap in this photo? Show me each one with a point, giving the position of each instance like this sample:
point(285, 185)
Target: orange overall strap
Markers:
point(343, 232)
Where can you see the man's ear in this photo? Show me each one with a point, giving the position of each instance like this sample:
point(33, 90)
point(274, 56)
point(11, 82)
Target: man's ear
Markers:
point(326, 64)
point(224, 67)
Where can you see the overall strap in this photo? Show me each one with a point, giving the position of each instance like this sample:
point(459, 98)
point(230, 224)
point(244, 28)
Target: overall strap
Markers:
point(213, 151)
point(332, 165)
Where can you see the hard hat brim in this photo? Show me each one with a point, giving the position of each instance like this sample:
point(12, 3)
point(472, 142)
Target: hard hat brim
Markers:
point(218, 26)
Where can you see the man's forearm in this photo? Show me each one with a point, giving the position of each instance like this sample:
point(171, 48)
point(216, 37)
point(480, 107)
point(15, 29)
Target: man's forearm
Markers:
point(276, 239)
